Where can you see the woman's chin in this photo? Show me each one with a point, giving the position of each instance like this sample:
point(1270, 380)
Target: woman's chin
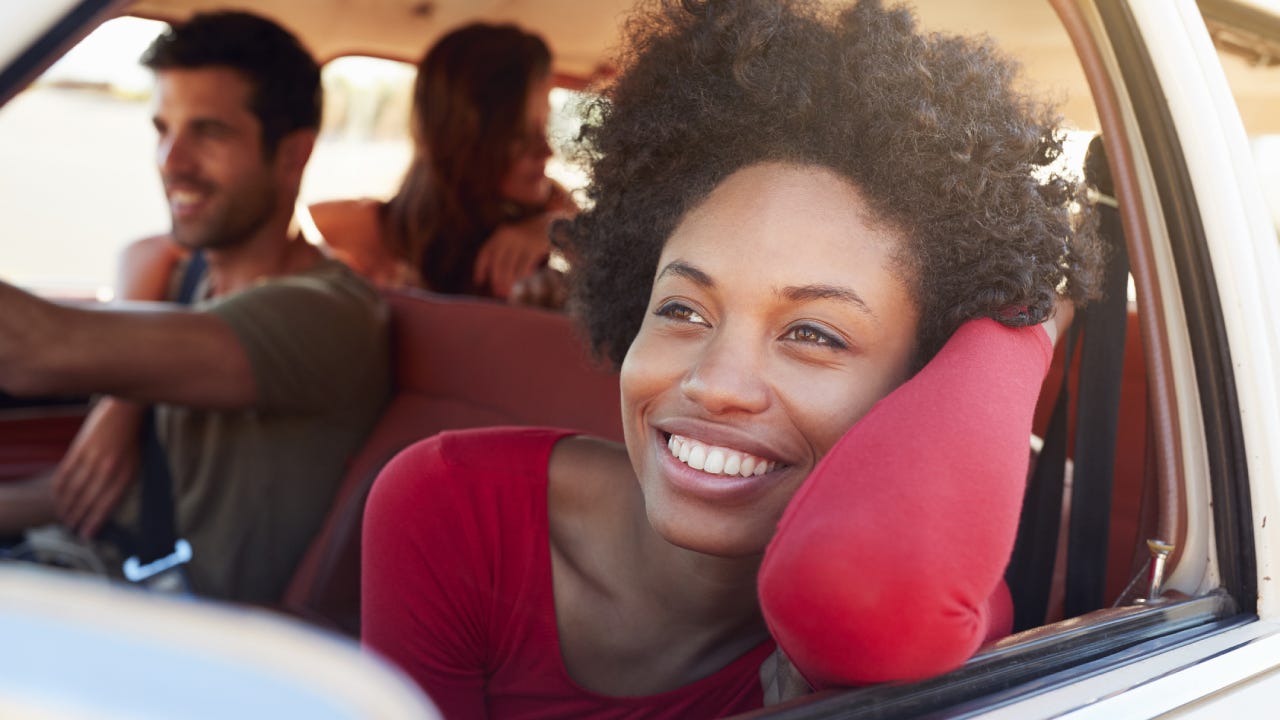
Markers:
point(530, 193)
point(706, 534)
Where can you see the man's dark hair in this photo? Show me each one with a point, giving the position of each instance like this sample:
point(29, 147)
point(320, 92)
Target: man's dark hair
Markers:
point(930, 128)
point(284, 78)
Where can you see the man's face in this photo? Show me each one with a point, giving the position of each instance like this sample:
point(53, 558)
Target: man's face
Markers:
point(209, 152)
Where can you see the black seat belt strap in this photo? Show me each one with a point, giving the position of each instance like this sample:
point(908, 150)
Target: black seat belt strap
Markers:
point(158, 547)
point(1097, 418)
point(1030, 572)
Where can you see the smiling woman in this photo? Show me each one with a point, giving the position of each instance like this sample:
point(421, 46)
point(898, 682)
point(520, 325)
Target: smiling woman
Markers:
point(793, 213)
point(803, 336)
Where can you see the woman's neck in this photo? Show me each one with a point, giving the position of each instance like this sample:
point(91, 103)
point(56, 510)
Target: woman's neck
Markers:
point(711, 592)
point(638, 615)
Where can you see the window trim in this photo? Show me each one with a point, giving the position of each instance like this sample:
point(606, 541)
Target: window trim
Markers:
point(66, 32)
point(1210, 349)
point(1031, 663)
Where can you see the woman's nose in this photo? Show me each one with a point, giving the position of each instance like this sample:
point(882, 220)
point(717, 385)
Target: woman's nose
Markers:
point(727, 377)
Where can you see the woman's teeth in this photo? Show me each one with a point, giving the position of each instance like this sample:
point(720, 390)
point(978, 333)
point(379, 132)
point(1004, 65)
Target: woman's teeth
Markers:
point(717, 460)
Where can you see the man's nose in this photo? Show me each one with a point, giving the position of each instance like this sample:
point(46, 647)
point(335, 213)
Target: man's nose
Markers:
point(173, 154)
point(728, 376)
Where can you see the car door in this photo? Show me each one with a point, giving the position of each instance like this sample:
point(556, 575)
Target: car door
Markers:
point(1203, 253)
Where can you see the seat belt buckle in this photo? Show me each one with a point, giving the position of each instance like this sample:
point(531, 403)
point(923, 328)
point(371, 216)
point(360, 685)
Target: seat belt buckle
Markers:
point(164, 573)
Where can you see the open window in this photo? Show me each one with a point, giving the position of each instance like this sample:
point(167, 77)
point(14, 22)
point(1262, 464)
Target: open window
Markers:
point(1192, 467)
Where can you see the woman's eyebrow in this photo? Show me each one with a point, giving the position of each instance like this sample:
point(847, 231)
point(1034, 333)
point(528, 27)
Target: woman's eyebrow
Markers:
point(819, 291)
point(685, 270)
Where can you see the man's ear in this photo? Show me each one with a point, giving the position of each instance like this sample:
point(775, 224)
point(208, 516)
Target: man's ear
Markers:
point(293, 152)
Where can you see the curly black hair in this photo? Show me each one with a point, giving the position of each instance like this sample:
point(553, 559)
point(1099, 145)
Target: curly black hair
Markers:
point(930, 128)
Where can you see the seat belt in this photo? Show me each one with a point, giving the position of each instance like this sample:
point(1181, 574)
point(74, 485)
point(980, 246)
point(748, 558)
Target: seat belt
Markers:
point(1030, 572)
point(159, 553)
point(1101, 328)
point(1097, 418)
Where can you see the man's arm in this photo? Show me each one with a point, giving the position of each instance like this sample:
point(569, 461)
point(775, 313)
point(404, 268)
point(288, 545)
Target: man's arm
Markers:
point(160, 355)
point(102, 461)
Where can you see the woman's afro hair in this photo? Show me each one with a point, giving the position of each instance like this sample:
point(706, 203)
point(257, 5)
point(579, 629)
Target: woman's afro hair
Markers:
point(930, 128)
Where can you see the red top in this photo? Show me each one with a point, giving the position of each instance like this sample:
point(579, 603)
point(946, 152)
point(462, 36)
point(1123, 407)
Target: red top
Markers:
point(457, 587)
point(887, 564)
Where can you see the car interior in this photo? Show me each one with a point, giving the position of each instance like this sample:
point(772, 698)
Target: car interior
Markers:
point(1126, 496)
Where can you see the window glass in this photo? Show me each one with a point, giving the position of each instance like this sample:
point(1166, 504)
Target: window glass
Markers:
point(365, 144)
point(78, 174)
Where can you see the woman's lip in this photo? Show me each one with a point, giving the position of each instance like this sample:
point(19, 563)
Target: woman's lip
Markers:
point(719, 436)
point(721, 489)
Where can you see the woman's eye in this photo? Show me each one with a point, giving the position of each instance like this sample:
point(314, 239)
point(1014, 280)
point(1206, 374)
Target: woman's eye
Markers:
point(681, 312)
point(812, 335)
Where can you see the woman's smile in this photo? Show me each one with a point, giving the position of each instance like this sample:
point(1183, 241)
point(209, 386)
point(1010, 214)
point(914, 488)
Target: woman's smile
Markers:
point(714, 460)
point(716, 472)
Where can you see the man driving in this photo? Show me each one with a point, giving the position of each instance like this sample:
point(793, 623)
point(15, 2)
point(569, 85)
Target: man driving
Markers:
point(269, 383)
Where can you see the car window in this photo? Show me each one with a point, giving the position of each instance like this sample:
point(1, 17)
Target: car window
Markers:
point(365, 144)
point(79, 178)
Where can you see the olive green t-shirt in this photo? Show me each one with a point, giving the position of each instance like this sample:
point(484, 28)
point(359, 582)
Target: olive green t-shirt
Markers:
point(251, 487)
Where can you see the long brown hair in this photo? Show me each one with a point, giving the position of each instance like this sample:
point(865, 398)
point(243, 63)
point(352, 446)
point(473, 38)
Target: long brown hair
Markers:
point(468, 111)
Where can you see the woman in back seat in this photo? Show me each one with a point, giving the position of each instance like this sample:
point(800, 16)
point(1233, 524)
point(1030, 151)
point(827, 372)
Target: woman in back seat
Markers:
point(473, 212)
point(822, 254)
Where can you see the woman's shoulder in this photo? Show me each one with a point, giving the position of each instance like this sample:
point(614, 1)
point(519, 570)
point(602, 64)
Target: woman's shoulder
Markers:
point(344, 223)
point(353, 233)
point(494, 468)
point(346, 209)
point(483, 449)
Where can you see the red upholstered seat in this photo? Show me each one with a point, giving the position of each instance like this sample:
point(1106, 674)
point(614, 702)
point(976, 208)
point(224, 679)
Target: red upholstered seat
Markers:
point(459, 362)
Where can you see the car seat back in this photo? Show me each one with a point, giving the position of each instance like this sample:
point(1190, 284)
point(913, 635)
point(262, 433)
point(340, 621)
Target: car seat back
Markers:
point(459, 362)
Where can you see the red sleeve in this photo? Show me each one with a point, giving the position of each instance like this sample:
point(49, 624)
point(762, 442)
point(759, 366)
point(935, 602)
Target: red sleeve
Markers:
point(421, 604)
point(888, 564)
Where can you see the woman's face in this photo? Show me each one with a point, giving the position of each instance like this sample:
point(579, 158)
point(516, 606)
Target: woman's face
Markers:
point(777, 319)
point(525, 181)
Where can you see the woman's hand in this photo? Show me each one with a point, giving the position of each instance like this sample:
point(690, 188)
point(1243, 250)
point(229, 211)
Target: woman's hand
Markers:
point(512, 252)
point(780, 679)
point(99, 467)
point(544, 288)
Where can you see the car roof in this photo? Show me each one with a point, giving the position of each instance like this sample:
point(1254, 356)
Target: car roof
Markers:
point(583, 34)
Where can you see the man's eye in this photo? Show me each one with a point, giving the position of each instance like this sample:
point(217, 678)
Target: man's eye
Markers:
point(812, 335)
point(681, 312)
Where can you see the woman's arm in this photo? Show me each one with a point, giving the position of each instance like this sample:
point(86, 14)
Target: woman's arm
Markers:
point(420, 604)
point(146, 268)
point(888, 564)
point(516, 251)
